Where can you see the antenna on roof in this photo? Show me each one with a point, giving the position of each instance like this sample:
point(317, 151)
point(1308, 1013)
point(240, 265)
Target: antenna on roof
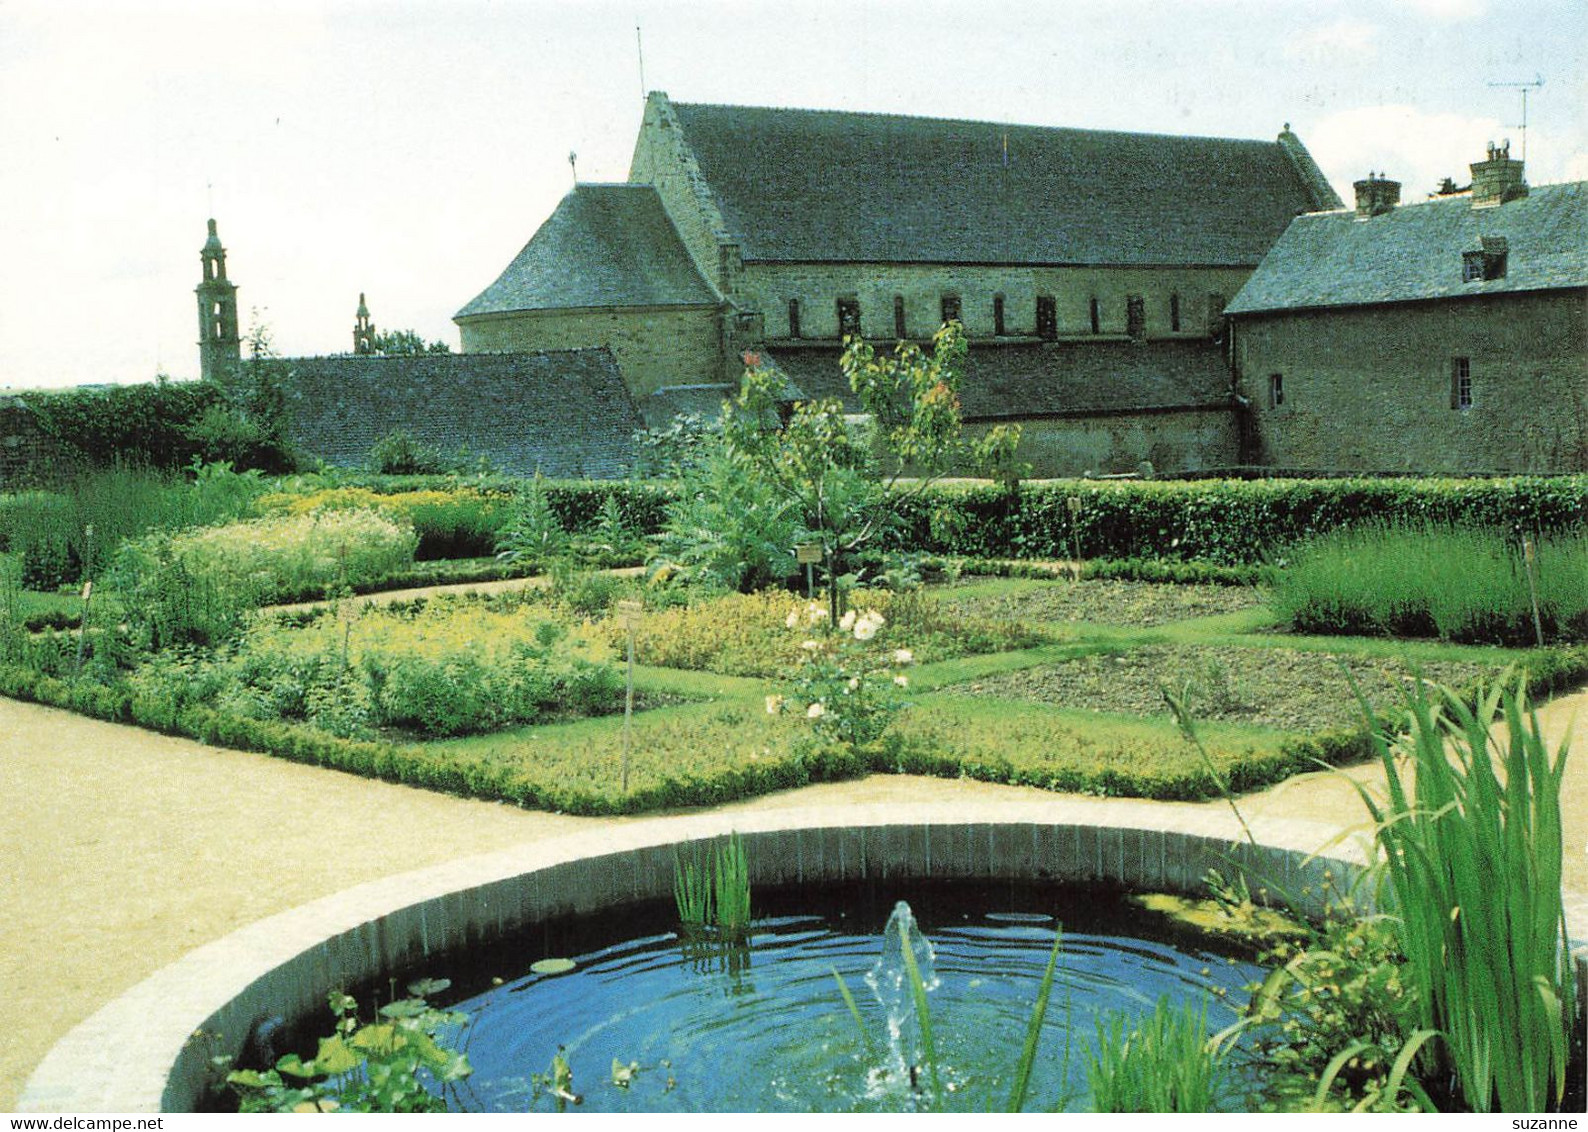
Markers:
point(573, 164)
point(639, 45)
point(1524, 87)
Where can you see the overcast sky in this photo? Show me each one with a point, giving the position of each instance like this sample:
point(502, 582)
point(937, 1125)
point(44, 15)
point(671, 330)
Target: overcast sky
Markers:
point(408, 150)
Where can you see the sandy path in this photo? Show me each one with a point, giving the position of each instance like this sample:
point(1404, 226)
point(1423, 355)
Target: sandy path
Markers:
point(121, 850)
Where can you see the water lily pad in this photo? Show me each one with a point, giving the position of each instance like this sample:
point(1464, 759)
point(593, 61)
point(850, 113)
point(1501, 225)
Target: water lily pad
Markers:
point(552, 966)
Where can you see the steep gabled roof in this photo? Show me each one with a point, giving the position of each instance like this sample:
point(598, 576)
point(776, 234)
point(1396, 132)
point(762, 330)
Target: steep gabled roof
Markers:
point(1414, 252)
point(1056, 379)
point(835, 186)
point(604, 246)
point(561, 412)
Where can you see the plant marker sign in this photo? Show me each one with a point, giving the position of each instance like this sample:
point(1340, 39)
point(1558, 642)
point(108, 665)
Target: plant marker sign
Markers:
point(629, 614)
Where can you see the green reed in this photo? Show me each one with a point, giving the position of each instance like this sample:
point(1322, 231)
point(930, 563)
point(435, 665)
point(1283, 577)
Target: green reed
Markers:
point(1473, 854)
point(1165, 1063)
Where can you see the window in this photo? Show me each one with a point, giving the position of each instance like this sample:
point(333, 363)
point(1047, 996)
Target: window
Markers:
point(1215, 314)
point(1461, 383)
point(848, 317)
point(998, 316)
point(951, 309)
point(1471, 267)
point(1136, 318)
point(793, 318)
point(1047, 318)
point(1174, 312)
point(1276, 390)
point(1097, 317)
point(899, 330)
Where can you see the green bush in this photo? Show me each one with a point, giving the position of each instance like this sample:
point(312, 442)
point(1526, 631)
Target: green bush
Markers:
point(1435, 581)
point(1231, 522)
point(50, 531)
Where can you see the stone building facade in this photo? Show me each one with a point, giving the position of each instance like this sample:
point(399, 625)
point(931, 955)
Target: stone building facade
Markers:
point(781, 231)
point(1445, 336)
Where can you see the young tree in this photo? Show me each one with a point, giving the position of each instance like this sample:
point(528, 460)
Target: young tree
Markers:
point(406, 343)
point(843, 478)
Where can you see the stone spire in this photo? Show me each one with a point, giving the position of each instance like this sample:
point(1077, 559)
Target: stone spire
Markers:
point(220, 347)
point(363, 329)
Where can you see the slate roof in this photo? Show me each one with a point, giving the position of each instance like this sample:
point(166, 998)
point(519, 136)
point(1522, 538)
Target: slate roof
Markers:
point(666, 403)
point(835, 186)
point(566, 413)
point(604, 246)
point(1054, 379)
point(1414, 252)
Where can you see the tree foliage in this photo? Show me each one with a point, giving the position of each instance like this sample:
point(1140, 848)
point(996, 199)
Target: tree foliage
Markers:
point(406, 343)
point(843, 477)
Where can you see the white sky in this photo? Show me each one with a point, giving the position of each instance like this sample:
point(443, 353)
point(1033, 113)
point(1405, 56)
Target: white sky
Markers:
point(409, 149)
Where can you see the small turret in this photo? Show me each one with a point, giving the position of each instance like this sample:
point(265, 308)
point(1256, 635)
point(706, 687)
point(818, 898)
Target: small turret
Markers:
point(363, 329)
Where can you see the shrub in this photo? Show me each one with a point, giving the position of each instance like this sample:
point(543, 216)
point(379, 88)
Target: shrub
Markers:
point(1223, 521)
point(400, 454)
point(459, 523)
point(1457, 584)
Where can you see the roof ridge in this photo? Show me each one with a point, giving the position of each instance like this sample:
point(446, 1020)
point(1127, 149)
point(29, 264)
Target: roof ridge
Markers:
point(974, 122)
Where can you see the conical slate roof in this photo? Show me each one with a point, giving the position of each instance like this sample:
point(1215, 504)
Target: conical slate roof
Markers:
point(604, 246)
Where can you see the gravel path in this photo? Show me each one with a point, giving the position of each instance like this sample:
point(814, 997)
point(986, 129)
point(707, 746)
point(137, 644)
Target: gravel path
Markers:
point(121, 849)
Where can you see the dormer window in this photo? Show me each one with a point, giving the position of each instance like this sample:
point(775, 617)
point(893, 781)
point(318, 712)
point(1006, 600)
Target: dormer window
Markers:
point(1486, 262)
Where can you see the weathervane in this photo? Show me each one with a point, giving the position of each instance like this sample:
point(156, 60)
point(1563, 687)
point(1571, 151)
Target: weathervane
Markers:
point(1524, 87)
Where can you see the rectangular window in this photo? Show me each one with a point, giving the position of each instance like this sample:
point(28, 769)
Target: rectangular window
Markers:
point(1461, 383)
point(1136, 318)
point(1174, 312)
point(1097, 317)
point(793, 318)
point(1276, 390)
point(1047, 318)
point(1215, 314)
point(950, 309)
point(848, 317)
point(998, 316)
point(1471, 267)
point(899, 330)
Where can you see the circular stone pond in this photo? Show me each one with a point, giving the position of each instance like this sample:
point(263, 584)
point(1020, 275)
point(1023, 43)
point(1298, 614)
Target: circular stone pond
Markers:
point(811, 1010)
point(150, 1049)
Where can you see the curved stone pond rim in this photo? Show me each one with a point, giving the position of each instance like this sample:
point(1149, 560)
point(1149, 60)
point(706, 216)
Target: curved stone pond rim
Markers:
point(139, 1053)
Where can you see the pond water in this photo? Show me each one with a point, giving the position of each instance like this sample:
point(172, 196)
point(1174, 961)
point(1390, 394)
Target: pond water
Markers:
point(648, 1021)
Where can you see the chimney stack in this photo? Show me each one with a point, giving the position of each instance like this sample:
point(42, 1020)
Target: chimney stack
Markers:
point(1376, 196)
point(1498, 179)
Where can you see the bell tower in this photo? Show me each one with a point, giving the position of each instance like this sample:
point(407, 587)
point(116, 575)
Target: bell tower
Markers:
point(220, 348)
point(363, 329)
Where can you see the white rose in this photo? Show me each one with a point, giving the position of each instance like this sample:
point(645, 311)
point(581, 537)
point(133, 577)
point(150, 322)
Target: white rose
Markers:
point(902, 680)
point(792, 619)
point(847, 621)
point(774, 704)
point(903, 656)
point(815, 711)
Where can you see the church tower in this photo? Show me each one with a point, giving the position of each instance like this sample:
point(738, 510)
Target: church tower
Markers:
point(220, 348)
point(363, 329)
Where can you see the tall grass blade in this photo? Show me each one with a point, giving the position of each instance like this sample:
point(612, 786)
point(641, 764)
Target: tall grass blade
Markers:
point(1028, 1054)
point(731, 886)
point(923, 1017)
point(854, 1010)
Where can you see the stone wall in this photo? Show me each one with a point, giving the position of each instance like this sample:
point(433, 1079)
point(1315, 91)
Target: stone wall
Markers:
point(1179, 441)
point(768, 287)
point(662, 160)
point(653, 346)
point(1370, 389)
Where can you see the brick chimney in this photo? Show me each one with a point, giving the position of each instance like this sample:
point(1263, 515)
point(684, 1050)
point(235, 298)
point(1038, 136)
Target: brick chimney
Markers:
point(1376, 195)
point(1498, 179)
